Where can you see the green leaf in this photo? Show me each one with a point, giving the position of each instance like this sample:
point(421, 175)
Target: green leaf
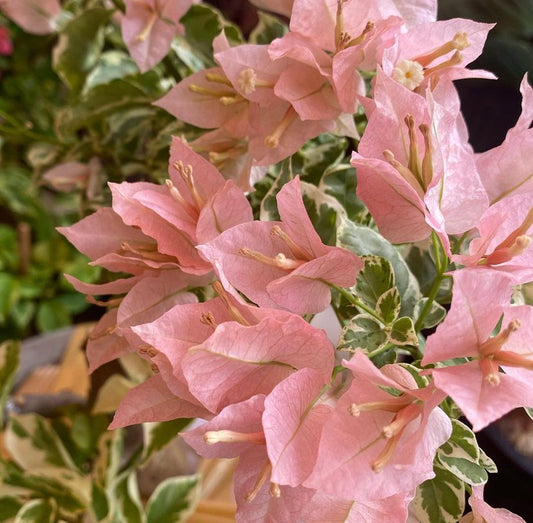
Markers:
point(37, 511)
point(125, 501)
point(9, 294)
point(435, 315)
point(22, 313)
point(157, 435)
point(9, 256)
point(362, 332)
point(388, 305)
point(9, 506)
point(269, 208)
point(102, 101)
point(110, 66)
point(487, 462)
point(403, 332)
point(52, 315)
point(461, 455)
point(267, 29)
point(108, 459)
point(340, 181)
point(322, 210)
point(364, 241)
point(34, 444)
point(187, 54)
point(9, 362)
point(173, 500)
point(71, 490)
point(202, 23)
point(374, 280)
point(99, 503)
point(79, 46)
point(319, 155)
point(439, 500)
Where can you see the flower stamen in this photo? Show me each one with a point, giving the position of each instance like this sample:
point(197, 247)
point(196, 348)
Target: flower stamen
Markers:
point(223, 295)
point(272, 140)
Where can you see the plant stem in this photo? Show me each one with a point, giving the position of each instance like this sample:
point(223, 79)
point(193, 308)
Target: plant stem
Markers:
point(441, 263)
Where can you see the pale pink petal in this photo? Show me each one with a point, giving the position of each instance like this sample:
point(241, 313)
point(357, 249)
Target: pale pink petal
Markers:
point(293, 422)
point(481, 402)
point(349, 445)
point(204, 110)
point(101, 233)
point(207, 180)
point(395, 206)
point(152, 401)
point(236, 270)
point(263, 123)
point(120, 286)
point(477, 304)
point(229, 154)
point(68, 176)
point(265, 508)
point(105, 344)
point(243, 417)
point(153, 296)
point(496, 224)
point(170, 240)
point(178, 329)
point(307, 288)
point(481, 509)
point(238, 361)
point(324, 508)
point(34, 16)
point(296, 221)
point(149, 26)
point(228, 207)
point(251, 71)
point(435, 34)
point(524, 121)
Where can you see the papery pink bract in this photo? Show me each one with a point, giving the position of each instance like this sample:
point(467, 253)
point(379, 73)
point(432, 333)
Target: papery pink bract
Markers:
point(504, 241)
point(506, 170)
point(483, 512)
point(286, 505)
point(238, 361)
point(148, 27)
point(355, 460)
point(477, 305)
point(152, 401)
point(303, 286)
point(68, 176)
point(461, 41)
point(444, 195)
point(323, 508)
point(206, 103)
point(104, 345)
point(243, 418)
point(185, 326)
point(292, 421)
point(34, 16)
point(478, 387)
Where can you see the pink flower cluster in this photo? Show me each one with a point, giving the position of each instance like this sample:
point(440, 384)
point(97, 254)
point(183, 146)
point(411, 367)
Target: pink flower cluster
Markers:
point(320, 439)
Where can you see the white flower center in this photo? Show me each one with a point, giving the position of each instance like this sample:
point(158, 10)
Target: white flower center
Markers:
point(408, 73)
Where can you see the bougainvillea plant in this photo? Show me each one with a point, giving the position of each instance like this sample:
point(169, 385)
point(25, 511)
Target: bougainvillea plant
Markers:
point(334, 173)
